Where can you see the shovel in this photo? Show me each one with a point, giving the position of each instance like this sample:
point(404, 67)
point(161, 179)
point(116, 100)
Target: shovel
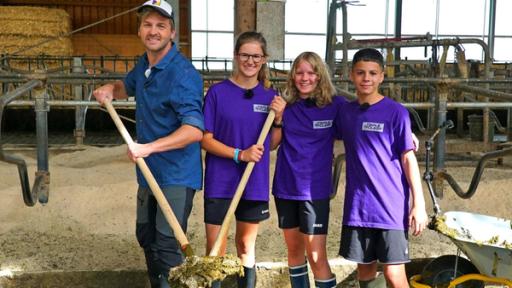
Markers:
point(240, 188)
point(202, 273)
point(153, 185)
point(196, 271)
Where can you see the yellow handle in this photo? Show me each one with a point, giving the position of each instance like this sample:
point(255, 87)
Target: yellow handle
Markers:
point(153, 185)
point(240, 188)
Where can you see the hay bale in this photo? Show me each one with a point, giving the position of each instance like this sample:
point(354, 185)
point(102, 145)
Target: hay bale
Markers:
point(58, 47)
point(25, 26)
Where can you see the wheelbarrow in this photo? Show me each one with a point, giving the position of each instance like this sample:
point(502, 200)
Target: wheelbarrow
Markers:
point(486, 241)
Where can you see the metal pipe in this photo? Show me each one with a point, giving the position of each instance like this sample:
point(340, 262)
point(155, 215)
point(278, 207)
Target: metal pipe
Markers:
point(41, 186)
point(492, 27)
point(71, 103)
point(355, 44)
point(96, 79)
point(398, 26)
point(349, 95)
point(330, 53)
point(439, 149)
point(484, 91)
point(28, 196)
point(346, 38)
point(476, 175)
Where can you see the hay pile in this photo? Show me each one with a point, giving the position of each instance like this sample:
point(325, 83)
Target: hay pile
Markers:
point(24, 26)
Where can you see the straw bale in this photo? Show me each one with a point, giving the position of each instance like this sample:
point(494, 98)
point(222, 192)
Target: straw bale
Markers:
point(24, 26)
point(58, 47)
point(32, 28)
point(32, 13)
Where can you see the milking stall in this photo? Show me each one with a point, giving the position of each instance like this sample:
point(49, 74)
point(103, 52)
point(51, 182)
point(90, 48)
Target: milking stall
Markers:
point(69, 190)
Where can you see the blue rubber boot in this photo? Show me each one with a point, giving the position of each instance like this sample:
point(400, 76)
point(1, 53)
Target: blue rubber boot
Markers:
point(249, 279)
point(329, 283)
point(299, 277)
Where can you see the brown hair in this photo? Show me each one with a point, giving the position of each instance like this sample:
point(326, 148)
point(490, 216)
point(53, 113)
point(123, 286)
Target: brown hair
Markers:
point(324, 90)
point(252, 36)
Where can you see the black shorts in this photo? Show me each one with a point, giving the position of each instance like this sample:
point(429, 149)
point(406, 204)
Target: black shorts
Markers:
point(215, 210)
point(367, 245)
point(311, 216)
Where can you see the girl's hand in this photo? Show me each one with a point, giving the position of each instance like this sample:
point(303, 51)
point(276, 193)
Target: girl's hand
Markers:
point(252, 154)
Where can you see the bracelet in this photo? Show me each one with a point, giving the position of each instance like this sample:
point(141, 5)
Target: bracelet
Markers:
point(235, 156)
point(277, 125)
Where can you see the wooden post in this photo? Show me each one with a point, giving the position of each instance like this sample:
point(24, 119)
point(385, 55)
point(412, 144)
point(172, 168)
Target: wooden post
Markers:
point(245, 16)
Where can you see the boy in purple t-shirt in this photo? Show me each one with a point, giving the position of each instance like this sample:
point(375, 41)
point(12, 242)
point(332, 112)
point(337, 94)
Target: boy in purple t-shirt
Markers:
point(382, 172)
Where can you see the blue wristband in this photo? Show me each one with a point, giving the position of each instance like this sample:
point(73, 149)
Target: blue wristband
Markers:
point(235, 156)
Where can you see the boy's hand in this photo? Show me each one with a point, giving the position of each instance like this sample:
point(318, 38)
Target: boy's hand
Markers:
point(416, 142)
point(417, 220)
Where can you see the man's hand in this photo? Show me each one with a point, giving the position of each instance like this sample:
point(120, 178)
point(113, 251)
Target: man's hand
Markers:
point(104, 93)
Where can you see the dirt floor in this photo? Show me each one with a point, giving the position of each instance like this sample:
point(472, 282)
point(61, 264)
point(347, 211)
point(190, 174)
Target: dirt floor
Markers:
point(88, 223)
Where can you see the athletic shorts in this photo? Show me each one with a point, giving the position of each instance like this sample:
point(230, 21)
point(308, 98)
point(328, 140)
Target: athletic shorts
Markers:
point(311, 216)
point(215, 210)
point(367, 245)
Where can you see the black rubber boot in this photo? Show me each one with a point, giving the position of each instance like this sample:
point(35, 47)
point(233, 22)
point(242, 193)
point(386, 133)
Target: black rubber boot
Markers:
point(329, 283)
point(249, 279)
point(299, 277)
point(153, 270)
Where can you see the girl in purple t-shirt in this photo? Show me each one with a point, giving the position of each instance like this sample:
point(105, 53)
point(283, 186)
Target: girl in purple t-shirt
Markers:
point(234, 111)
point(302, 181)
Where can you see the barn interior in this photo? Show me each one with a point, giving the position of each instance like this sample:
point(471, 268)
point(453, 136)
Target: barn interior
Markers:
point(54, 53)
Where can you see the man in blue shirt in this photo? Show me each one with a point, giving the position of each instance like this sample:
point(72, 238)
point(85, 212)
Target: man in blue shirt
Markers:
point(169, 117)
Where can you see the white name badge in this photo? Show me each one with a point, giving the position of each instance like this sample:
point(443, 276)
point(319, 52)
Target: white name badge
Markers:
point(322, 124)
point(372, 126)
point(259, 108)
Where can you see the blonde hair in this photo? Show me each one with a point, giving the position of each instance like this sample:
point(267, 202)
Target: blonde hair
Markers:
point(248, 37)
point(324, 90)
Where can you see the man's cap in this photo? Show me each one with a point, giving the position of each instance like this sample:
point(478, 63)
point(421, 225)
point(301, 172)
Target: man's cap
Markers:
point(161, 6)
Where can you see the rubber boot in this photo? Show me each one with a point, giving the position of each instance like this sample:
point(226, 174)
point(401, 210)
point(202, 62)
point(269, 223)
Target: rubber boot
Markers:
point(299, 277)
point(215, 284)
point(329, 283)
point(377, 282)
point(164, 283)
point(249, 279)
point(153, 271)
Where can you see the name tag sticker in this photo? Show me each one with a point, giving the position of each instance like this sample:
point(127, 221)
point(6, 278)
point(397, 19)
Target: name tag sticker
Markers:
point(372, 126)
point(322, 124)
point(259, 108)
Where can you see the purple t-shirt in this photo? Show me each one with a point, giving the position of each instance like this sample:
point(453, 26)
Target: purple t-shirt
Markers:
point(304, 159)
point(236, 121)
point(377, 191)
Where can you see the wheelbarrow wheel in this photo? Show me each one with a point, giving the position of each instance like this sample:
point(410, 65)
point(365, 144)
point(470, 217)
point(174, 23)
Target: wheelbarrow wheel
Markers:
point(440, 271)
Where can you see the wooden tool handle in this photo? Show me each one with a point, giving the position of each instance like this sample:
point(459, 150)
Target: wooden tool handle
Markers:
point(241, 187)
point(153, 185)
